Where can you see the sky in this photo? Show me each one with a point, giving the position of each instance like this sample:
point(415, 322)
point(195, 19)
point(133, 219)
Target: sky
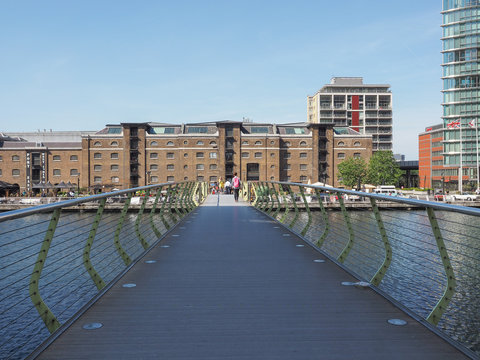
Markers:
point(79, 65)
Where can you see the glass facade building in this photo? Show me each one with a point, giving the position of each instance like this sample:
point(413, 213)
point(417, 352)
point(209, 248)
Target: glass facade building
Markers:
point(461, 86)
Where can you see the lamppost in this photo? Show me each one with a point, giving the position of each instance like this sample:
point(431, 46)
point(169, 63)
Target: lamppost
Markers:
point(78, 183)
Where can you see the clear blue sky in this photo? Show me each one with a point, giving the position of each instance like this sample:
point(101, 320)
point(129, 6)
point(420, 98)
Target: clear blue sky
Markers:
point(78, 65)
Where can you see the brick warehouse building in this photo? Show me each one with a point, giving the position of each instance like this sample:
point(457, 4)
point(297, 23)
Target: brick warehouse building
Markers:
point(135, 154)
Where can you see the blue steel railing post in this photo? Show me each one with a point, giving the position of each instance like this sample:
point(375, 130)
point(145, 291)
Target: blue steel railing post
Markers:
point(98, 281)
point(152, 213)
point(139, 218)
point(322, 238)
point(442, 304)
point(377, 278)
point(126, 259)
point(45, 313)
point(305, 229)
point(341, 258)
point(294, 202)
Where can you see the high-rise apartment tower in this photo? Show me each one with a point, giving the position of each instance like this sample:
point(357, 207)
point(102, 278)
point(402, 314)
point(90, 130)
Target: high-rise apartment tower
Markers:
point(348, 102)
point(461, 87)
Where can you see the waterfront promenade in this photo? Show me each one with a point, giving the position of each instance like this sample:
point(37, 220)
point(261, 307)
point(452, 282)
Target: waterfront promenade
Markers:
point(234, 284)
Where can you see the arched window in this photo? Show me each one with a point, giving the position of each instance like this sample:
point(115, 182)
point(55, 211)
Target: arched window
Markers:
point(56, 158)
point(303, 143)
point(97, 156)
point(287, 143)
point(356, 143)
point(213, 143)
point(154, 143)
point(341, 143)
point(258, 143)
point(114, 143)
point(199, 142)
point(170, 143)
point(97, 143)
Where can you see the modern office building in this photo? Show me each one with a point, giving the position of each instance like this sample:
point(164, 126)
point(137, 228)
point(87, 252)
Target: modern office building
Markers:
point(134, 154)
point(348, 102)
point(461, 87)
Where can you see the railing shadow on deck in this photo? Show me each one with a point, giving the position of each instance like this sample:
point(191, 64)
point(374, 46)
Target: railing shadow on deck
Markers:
point(423, 256)
point(55, 263)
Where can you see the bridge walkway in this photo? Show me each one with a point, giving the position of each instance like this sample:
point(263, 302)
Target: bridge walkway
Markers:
point(234, 285)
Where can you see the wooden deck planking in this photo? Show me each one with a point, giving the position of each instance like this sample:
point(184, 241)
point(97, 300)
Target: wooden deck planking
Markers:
point(231, 286)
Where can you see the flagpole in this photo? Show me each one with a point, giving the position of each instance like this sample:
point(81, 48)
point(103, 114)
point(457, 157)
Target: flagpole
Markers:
point(460, 176)
point(476, 136)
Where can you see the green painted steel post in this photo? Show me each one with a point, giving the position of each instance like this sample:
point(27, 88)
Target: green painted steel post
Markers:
point(45, 313)
point(190, 204)
point(442, 304)
point(144, 243)
point(271, 192)
point(341, 258)
point(261, 198)
point(267, 199)
point(285, 202)
point(152, 213)
point(255, 193)
point(194, 194)
point(377, 278)
point(266, 191)
point(96, 278)
point(183, 206)
point(170, 212)
point(178, 201)
point(294, 202)
point(309, 221)
point(322, 238)
point(126, 259)
point(162, 211)
point(275, 193)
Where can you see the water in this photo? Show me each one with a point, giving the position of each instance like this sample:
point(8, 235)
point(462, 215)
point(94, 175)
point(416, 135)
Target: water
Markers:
point(415, 277)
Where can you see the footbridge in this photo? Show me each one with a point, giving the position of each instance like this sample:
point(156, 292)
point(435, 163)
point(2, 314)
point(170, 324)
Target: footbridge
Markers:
point(291, 271)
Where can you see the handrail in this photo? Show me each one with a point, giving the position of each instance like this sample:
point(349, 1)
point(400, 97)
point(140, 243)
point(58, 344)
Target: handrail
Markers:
point(39, 276)
point(397, 252)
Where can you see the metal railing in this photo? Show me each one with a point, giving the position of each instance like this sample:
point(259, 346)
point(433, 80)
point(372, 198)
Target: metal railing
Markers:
point(57, 258)
point(424, 256)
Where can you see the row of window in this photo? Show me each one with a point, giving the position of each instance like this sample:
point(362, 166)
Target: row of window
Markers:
point(259, 155)
point(55, 158)
point(356, 143)
point(355, 155)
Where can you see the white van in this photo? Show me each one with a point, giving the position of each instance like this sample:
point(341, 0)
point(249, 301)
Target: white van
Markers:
point(386, 190)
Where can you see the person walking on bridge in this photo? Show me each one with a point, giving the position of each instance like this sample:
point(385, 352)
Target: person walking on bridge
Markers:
point(236, 186)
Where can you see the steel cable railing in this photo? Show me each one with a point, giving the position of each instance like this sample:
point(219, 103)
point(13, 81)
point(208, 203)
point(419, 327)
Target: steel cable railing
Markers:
point(44, 258)
point(423, 255)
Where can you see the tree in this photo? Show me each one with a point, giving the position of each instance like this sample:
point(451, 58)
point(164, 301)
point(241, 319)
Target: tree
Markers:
point(352, 171)
point(383, 169)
